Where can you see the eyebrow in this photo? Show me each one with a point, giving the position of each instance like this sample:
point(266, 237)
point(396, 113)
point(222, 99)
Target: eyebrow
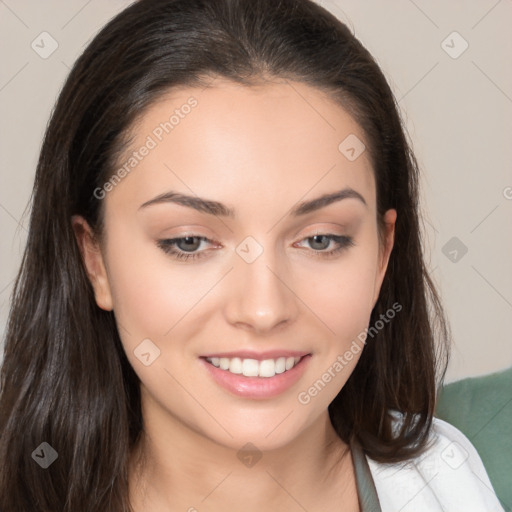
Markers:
point(221, 210)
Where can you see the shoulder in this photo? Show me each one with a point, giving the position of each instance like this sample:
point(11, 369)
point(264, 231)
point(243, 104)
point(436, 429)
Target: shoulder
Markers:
point(449, 475)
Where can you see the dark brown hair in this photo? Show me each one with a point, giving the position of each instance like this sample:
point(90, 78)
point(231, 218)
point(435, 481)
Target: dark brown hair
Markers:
point(65, 378)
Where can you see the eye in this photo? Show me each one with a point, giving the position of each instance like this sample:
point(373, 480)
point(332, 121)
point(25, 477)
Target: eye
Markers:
point(322, 241)
point(187, 247)
point(190, 244)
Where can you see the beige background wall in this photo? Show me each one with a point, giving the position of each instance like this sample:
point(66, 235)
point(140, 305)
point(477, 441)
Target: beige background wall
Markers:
point(457, 103)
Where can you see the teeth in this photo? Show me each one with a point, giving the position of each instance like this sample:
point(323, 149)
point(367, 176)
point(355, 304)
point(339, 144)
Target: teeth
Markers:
point(235, 365)
point(253, 367)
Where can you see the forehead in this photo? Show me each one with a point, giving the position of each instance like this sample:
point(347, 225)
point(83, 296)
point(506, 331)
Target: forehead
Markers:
point(284, 139)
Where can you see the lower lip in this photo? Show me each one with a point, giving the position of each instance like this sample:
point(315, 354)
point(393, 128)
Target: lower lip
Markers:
point(257, 387)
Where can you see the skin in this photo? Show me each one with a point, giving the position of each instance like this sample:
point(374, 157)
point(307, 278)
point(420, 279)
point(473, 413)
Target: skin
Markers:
point(260, 150)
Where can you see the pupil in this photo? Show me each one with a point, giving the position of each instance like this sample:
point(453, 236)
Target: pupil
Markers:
point(316, 237)
point(189, 241)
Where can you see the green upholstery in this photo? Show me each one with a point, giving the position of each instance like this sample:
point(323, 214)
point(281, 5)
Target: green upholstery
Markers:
point(481, 408)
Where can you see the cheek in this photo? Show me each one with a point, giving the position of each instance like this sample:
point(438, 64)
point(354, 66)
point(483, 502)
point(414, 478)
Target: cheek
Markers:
point(342, 300)
point(340, 293)
point(149, 294)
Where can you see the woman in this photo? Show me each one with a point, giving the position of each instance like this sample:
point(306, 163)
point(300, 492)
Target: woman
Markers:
point(223, 303)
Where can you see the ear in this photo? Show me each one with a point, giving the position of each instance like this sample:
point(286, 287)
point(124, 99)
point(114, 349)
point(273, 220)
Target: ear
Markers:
point(385, 251)
point(93, 261)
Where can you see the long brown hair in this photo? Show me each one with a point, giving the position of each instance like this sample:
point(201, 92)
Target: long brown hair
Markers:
point(65, 378)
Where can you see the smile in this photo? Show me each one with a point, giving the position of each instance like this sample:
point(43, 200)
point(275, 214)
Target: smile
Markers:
point(257, 379)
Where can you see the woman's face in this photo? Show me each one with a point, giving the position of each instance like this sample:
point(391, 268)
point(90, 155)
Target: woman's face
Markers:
point(259, 283)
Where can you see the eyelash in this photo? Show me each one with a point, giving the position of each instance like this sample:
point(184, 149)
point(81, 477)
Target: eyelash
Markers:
point(168, 246)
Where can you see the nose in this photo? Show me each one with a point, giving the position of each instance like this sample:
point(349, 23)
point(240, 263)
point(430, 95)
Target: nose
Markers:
point(260, 296)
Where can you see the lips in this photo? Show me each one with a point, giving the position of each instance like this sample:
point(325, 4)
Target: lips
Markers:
point(252, 386)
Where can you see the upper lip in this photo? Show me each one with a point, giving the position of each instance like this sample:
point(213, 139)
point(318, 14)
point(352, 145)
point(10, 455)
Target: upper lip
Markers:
point(259, 356)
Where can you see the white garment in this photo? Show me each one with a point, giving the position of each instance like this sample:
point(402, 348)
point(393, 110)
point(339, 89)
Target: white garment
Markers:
point(449, 477)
